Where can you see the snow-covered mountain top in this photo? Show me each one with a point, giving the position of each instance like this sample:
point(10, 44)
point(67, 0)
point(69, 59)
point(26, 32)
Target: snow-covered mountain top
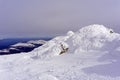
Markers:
point(92, 53)
point(89, 38)
point(97, 31)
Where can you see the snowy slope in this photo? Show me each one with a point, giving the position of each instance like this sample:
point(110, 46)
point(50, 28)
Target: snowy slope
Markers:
point(92, 53)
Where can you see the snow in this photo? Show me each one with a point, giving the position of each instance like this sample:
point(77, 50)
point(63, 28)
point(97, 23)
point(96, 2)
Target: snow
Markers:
point(37, 42)
point(93, 37)
point(23, 45)
point(92, 53)
point(31, 43)
point(47, 77)
point(4, 50)
point(118, 49)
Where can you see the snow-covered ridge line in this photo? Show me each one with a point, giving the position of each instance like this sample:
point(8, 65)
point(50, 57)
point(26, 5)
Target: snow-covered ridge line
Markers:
point(23, 47)
point(37, 42)
point(31, 43)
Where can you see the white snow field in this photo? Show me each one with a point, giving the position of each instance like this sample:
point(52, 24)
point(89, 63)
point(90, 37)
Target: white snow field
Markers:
point(92, 53)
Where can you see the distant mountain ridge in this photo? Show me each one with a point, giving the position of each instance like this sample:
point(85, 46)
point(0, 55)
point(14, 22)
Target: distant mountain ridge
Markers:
point(7, 42)
point(22, 47)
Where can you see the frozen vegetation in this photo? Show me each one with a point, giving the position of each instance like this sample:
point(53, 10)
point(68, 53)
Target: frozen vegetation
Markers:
point(92, 53)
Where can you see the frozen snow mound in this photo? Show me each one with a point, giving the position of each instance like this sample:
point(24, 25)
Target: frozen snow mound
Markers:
point(94, 37)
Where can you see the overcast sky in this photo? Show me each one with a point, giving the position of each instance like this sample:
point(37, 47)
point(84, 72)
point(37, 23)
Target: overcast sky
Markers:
point(41, 18)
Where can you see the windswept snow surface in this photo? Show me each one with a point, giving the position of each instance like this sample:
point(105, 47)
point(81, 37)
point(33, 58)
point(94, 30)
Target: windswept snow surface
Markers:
point(92, 53)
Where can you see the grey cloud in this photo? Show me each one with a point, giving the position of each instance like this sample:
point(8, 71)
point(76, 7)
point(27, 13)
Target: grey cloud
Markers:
point(30, 18)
